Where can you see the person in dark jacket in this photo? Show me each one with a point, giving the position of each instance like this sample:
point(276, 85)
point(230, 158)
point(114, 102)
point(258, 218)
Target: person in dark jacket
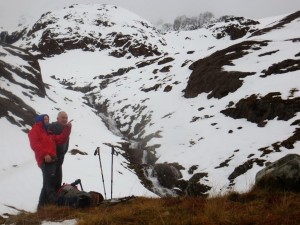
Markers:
point(61, 149)
point(44, 146)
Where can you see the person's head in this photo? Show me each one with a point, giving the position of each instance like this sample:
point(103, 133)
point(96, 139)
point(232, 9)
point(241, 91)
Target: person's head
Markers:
point(44, 118)
point(62, 118)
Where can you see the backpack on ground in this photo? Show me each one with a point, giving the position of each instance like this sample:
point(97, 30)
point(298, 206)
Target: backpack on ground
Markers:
point(70, 195)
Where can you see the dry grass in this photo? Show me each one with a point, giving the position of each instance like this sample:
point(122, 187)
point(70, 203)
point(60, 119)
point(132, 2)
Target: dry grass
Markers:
point(255, 207)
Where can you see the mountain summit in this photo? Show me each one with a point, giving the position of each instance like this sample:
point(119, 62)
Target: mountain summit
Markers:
point(91, 28)
point(188, 112)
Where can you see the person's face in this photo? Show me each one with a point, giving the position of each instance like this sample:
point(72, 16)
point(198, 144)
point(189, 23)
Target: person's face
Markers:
point(62, 118)
point(46, 120)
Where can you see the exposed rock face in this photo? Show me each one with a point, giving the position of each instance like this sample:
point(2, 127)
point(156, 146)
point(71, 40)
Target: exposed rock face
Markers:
point(288, 65)
point(283, 174)
point(209, 77)
point(169, 176)
point(32, 72)
point(192, 187)
point(92, 29)
point(236, 27)
point(260, 109)
point(7, 38)
point(166, 174)
point(241, 169)
point(11, 104)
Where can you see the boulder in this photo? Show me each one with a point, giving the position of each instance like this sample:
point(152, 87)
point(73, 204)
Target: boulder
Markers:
point(167, 174)
point(283, 174)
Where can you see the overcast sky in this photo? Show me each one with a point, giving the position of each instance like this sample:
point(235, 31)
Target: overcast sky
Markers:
point(153, 10)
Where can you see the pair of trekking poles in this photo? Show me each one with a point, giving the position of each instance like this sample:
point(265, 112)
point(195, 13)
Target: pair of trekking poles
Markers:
point(97, 152)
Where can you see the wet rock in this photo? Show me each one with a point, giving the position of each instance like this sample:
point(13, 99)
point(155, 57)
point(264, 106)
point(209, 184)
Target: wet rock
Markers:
point(166, 174)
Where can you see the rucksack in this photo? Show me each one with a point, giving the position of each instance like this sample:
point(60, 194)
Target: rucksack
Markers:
point(69, 195)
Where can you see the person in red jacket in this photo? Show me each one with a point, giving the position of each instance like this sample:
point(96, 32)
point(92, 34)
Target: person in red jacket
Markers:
point(44, 146)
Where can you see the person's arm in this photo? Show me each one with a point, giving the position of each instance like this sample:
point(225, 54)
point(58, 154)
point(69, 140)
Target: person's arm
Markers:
point(35, 143)
point(64, 136)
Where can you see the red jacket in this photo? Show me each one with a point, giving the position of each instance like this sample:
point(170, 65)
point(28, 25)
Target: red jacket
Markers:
point(43, 143)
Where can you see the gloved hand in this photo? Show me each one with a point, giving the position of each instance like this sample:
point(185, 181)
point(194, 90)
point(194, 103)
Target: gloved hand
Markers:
point(49, 159)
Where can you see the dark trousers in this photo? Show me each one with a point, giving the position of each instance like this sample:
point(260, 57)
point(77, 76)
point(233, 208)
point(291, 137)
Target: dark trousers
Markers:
point(58, 172)
point(52, 178)
point(48, 192)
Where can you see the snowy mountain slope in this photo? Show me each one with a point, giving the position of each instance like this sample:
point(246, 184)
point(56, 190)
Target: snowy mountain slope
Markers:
point(20, 81)
point(181, 130)
point(93, 27)
point(176, 142)
point(21, 179)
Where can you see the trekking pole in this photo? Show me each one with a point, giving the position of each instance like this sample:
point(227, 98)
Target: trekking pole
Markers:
point(80, 185)
point(112, 165)
point(97, 151)
point(78, 181)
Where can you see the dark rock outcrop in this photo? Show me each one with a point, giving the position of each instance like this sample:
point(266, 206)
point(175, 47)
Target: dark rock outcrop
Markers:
point(243, 168)
point(33, 74)
point(236, 27)
point(289, 142)
point(11, 103)
point(209, 77)
point(288, 65)
point(53, 34)
point(192, 187)
point(166, 174)
point(165, 60)
point(6, 38)
point(260, 109)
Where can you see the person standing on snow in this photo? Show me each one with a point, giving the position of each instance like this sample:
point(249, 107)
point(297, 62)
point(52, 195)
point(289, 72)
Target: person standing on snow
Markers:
point(44, 146)
point(61, 149)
